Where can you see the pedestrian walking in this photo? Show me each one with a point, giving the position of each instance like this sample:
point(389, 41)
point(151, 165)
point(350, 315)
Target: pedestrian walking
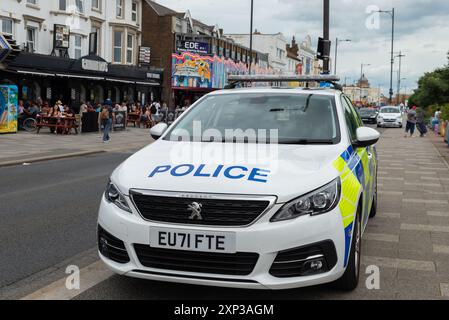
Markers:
point(107, 116)
point(420, 124)
point(411, 122)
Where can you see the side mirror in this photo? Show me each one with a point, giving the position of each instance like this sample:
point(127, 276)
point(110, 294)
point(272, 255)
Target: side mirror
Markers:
point(366, 137)
point(158, 130)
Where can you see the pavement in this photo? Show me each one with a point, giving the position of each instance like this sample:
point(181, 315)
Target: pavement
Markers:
point(26, 147)
point(45, 228)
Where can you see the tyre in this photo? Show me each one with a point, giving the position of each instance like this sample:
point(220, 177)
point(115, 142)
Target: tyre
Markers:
point(373, 211)
point(350, 279)
point(29, 125)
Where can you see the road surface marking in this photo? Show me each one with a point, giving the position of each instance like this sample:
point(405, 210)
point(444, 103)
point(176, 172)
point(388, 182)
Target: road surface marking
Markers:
point(391, 215)
point(90, 276)
point(425, 201)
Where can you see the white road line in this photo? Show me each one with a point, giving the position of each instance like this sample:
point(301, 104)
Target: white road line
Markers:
point(90, 276)
point(381, 237)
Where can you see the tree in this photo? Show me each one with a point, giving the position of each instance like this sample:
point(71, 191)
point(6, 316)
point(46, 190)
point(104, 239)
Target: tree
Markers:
point(433, 88)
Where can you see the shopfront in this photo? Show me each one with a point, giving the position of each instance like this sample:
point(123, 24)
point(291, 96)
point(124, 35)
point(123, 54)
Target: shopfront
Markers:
point(86, 79)
point(195, 75)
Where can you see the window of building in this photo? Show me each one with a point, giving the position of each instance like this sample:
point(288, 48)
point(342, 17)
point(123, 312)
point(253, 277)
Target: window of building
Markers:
point(118, 35)
point(97, 30)
point(79, 6)
point(220, 51)
point(6, 26)
point(62, 5)
point(34, 2)
point(134, 8)
point(78, 46)
point(31, 39)
point(130, 49)
point(96, 5)
point(120, 9)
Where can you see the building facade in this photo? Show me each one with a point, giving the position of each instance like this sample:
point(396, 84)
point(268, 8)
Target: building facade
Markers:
point(78, 50)
point(196, 57)
point(361, 93)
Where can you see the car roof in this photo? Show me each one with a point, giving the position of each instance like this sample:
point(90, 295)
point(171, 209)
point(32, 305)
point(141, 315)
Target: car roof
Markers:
point(274, 90)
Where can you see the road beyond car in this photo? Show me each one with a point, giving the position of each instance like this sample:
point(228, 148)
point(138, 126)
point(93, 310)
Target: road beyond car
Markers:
point(292, 218)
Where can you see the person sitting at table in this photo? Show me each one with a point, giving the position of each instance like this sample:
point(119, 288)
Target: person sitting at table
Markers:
point(45, 108)
point(54, 117)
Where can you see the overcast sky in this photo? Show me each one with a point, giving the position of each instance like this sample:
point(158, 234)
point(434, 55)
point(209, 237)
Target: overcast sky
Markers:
point(422, 29)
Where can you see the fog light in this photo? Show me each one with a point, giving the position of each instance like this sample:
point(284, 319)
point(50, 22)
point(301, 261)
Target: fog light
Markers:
point(316, 265)
point(103, 245)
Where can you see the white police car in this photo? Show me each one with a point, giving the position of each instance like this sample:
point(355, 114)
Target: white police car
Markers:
point(252, 188)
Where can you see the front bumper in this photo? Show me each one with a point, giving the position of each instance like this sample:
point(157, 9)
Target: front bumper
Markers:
point(394, 124)
point(264, 238)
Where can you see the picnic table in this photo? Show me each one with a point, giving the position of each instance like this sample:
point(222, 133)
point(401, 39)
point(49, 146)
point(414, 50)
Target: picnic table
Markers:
point(62, 125)
point(134, 118)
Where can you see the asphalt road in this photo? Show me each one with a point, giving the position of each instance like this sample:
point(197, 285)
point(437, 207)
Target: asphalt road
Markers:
point(48, 212)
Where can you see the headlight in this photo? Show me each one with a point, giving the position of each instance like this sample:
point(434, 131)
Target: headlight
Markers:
point(317, 202)
point(113, 195)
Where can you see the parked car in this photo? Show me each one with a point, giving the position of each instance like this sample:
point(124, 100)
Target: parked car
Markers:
point(368, 115)
point(296, 220)
point(390, 117)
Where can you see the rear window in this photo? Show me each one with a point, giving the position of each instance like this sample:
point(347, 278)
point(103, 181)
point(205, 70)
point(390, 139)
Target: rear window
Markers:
point(390, 110)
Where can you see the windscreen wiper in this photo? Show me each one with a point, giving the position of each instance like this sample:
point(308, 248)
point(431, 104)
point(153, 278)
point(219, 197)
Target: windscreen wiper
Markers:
point(307, 142)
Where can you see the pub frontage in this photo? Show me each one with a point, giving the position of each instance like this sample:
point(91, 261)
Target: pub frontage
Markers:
point(88, 79)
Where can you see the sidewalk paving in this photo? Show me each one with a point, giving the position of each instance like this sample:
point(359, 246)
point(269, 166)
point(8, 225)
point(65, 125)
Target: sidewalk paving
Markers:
point(30, 147)
point(409, 239)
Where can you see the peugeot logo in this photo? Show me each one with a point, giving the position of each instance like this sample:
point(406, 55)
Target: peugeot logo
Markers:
point(195, 208)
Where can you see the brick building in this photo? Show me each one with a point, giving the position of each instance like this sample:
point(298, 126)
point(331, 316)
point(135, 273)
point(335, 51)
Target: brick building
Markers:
point(178, 41)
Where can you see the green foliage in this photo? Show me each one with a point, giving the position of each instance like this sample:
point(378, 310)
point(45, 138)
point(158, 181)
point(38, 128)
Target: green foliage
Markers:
point(433, 89)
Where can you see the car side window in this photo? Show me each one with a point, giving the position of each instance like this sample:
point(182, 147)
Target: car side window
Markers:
point(351, 121)
point(354, 112)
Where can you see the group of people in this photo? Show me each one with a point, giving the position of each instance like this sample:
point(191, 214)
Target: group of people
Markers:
point(415, 120)
point(39, 108)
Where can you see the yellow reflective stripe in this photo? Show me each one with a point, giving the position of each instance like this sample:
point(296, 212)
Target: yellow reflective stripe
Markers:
point(350, 188)
point(340, 164)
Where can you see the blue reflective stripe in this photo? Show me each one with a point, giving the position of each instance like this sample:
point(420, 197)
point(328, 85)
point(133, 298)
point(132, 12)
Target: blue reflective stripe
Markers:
point(348, 237)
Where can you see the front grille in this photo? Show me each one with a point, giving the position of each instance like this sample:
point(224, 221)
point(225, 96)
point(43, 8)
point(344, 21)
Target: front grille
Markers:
point(214, 212)
point(111, 247)
point(238, 264)
point(292, 263)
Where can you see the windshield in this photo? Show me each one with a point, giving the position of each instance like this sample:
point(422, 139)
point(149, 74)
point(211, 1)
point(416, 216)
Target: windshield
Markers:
point(260, 118)
point(367, 112)
point(390, 110)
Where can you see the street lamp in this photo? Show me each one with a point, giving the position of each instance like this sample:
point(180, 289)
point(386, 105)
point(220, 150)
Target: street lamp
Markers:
point(400, 56)
point(361, 76)
point(391, 13)
point(336, 52)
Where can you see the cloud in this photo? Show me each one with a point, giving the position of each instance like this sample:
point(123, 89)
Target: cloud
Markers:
point(421, 30)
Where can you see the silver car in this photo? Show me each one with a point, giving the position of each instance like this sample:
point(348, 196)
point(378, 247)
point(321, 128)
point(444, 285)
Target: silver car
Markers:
point(390, 117)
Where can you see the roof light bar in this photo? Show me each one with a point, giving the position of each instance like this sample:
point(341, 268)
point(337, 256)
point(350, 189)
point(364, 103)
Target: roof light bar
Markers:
point(282, 78)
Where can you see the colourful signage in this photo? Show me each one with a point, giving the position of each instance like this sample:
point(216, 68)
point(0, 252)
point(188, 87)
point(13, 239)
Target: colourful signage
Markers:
point(8, 109)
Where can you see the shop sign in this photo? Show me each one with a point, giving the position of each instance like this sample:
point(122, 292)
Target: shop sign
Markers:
point(144, 55)
point(193, 47)
point(120, 119)
point(61, 36)
point(94, 65)
point(151, 75)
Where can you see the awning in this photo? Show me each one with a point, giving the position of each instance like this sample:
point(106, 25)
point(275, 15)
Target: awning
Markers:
point(45, 65)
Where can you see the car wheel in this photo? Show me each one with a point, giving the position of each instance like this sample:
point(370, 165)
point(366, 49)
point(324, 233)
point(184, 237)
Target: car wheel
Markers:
point(350, 279)
point(373, 211)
